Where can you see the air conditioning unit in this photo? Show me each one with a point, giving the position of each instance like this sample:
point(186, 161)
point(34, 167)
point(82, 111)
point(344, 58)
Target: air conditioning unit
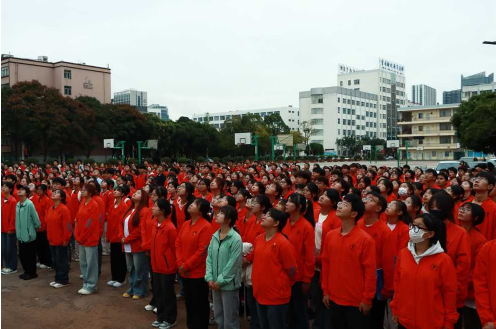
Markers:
point(43, 58)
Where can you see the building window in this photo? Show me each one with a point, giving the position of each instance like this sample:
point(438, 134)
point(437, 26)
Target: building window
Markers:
point(223, 117)
point(216, 118)
point(5, 71)
point(318, 111)
point(216, 125)
point(340, 83)
point(434, 153)
point(352, 102)
point(349, 101)
point(317, 121)
point(339, 110)
point(446, 153)
point(444, 126)
point(421, 115)
point(318, 132)
point(200, 119)
point(339, 121)
point(445, 140)
point(421, 128)
point(67, 90)
point(67, 74)
point(317, 99)
point(445, 113)
point(349, 82)
point(339, 131)
point(356, 81)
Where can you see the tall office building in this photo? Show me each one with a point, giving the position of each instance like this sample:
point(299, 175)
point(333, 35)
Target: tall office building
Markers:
point(477, 79)
point(452, 96)
point(423, 95)
point(131, 96)
point(388, 82)
point(336, 112)
point(160, 110)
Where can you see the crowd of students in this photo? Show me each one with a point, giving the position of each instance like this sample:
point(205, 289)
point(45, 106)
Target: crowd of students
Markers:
point(345, 246)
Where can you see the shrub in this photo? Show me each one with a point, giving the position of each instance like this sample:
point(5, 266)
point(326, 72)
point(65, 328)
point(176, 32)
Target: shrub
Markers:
point(166, 159)
point(132, 161)
point(226, 159)
point(31, 160)
point(279, 157)
point(251, 158)
point(112, 161)
point(240, 158)
point(89, 161)
point(200, 159)
point(216, 159)
point(183, 160)
point(70, 161)
point(51, 160)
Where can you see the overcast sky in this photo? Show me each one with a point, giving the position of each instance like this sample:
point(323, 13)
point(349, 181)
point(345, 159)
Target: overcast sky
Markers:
point(199, 56)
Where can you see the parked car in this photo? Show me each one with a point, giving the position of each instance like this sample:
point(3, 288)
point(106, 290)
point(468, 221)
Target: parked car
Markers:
point(389, 158)
point(446, 165)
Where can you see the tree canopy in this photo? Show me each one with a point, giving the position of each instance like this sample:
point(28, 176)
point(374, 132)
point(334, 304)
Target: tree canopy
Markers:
point(475, 123)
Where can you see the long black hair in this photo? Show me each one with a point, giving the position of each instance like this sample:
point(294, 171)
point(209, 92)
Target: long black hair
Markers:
point(444, 204)
point(190, 190)
point(230, 214)
point(264, 202)
point(204, 208)
point(436, 225)
point(167, 209)
point(300, 200)
point(333, 195)
point(405, 215)
point(279, 216)
point(478, 213)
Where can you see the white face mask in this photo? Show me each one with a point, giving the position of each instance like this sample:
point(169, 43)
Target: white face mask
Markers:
point(403, 191)
point(416, 237)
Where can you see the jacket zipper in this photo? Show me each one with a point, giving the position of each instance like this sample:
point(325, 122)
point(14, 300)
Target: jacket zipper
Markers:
point(154, 243)
point(166, 262)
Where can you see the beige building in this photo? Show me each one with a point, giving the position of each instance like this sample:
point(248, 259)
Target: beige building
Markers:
point(71, 79)
point(428, 133)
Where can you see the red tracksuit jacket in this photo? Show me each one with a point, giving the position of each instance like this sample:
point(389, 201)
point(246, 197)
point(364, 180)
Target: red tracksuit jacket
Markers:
point(425, 294)
point(87, 232)
point(58, 225)
point(115, 220)
point(458, 245)
point(485, 283)
point(192, 247)
point(302, 237)
point(397, 240)
point(348, 267)
point(163, 247)
point(134, 238)
point(274, 270)
point(8, 214)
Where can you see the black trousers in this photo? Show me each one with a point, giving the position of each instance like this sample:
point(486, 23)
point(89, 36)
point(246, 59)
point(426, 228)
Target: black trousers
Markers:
point(43, 249)
point(377, 313)
point(348, 317)
point(27, 255)
point(118, 266)
point(60, 263)
point(197, 304)
point(470, 318)
point(152, 301)
point(298, 308)
point(165, 297)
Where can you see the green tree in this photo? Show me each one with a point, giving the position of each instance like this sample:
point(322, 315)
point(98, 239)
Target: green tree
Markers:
point(475, 123)
point(275, 124)
point(316, 148)
point(307, 129)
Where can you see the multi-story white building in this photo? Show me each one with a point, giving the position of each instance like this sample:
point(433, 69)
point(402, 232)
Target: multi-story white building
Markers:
point(290, 115)
point(469, 91)
point(132, 97)
point(423, 95)
point(159, 110)
point(336, 112)
point(388, 82)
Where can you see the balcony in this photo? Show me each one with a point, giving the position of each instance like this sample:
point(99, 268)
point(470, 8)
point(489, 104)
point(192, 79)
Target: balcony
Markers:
point(429, 146)
point(405, 133)
point(426, 120)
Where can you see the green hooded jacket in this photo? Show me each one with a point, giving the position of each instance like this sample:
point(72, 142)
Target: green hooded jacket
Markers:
point(27, 221)
point(224, 260)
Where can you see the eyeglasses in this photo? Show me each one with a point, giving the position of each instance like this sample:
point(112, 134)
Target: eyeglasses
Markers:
point(343, 204)
point(464, 209)
point(417, 229)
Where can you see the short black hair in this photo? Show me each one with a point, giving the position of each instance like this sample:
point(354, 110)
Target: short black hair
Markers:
point(488, 176)
point(9, 185)
point(431, 171)
point(25, 188)
point(443, 174)
point(356, 205)
point(478, 212)
point(59, 180)
point(12, 177)
point(382, 200)
point(303, 174)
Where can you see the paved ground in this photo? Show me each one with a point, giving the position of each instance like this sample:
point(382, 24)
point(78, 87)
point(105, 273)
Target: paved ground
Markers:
point(34, 304)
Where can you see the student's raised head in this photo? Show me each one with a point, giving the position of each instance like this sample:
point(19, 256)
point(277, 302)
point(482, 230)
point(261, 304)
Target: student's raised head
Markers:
point(274, 219)
point(329, 199)
point(351, 207)
point(414, 205)
point(441, 205)
point(398, 209)
point(385, 186)
point(59, 195)
point(260, 204)
point(8, 187)
point(199, 207)
point(484, 181)
point(163, 207)
point(471, 212)
point(296, 203)
point(428, 227)
point(227, 215)
point(374, 203)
